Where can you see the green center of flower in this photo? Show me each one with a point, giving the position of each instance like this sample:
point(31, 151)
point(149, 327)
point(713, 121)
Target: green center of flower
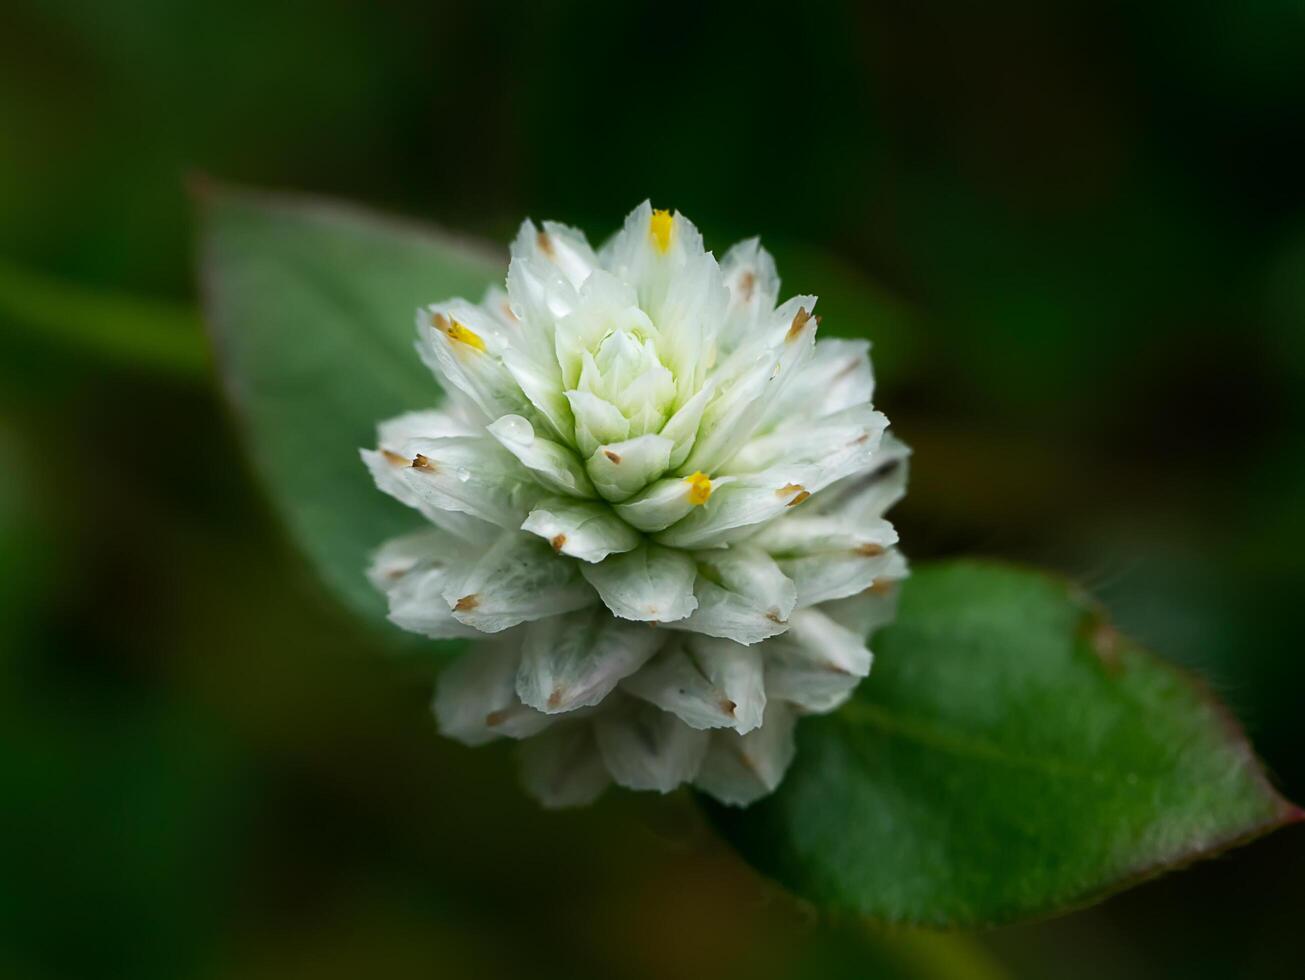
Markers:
point(625, 371)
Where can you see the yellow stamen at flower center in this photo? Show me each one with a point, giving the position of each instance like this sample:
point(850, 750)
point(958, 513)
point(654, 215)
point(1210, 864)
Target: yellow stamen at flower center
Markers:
point(699, 487)
point(660, 229)
point(456, 331)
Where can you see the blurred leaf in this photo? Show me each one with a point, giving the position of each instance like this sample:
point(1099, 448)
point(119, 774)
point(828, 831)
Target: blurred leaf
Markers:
point(1010, 756)
point(311, 310)
point(140, 332)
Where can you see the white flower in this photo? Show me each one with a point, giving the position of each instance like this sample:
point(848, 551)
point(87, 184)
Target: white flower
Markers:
point(640, 438)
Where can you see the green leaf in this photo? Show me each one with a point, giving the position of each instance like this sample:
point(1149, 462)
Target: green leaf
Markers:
point(1010, 755)
point(311, 307)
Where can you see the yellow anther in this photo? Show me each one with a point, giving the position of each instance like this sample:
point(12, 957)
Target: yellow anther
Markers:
point(699, 487)
point(456, 331)
point(660, 228)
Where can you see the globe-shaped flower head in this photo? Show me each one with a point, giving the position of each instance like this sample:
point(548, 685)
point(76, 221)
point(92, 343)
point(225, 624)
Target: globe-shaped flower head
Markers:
point(655, 501)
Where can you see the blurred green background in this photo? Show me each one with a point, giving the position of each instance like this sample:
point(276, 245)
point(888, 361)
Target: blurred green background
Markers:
point(1076, 234)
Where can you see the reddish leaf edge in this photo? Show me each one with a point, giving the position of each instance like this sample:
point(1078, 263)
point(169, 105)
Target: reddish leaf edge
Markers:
point(1107, 643)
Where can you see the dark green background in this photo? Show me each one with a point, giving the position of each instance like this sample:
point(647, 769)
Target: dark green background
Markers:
point(1076, 235)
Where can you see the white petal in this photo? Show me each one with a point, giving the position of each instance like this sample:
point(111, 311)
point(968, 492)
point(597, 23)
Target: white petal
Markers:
point(417, 603)
point(836, 377)
point(650, 583)
point(606, 305)
point(468, 475)
point(621, 469)
point(575, 661)
point(540, 295)
point(830, 452)
point(749, 273)
point(429, 424)
point(568, 249)
point(707, 683)
point(464, 347)
point(817, 663)
point(735, 506)
point(832, 447)
point(542, 386)
point(517, 580)
point(682, 427)
point(688, 315)
point(580, 528)
point(807, 533)
point(833, 575)
point(387, 463)
point(555, 467)
point(865, 612)
point(636, 255)
point(646, 748)
point(738, 411)
point(476, 699)
point(562, 767)
point(596, 421)
point(865, 497)
point(741, 769)
point(399, 556)
point(661, 504)
point(412, 571)
point(742, 596)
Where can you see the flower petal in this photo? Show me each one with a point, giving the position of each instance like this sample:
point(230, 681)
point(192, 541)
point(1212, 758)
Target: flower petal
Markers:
point(749, 273)
point(621, 469)
point(742, 596)
point(867, 611)
point(649, 584)
point(687, 315)
point(562, 767)
point(568, 249)
point(583, 529)
point(649, 251)
point(596, 421)
point(539, 296)
point(399, 556)
point(817, 663)
point(803, 533)
point(806, 464)
point(833, 575)
point(741, 769)
point(735, 506)
point(476, 699)
point(464, 347)
point(836, 377)
point(387, 463)
point(518, 580)
point(469, 475)
point(832, 447)
point(661, 504)
point(646, 748)
point(413, 571)
point(682, 427)
point(706, 682)
point(554, 466)
point(542, 386)
point(865, 497)
point(736, 413)
point(606, 304)
point(574, 661)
